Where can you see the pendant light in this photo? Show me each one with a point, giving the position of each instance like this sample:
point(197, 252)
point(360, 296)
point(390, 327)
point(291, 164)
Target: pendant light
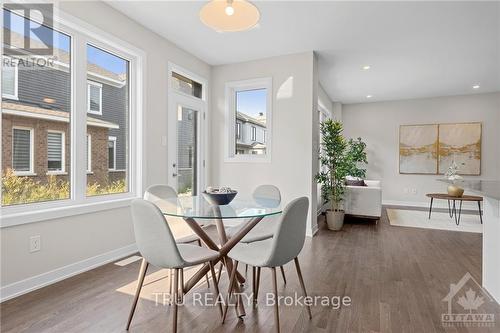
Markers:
point(229, 15)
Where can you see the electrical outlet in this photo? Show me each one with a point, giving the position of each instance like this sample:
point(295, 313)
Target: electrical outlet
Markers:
point(35, 243)
point(406, 190)
point(413, 191)
point(164, 141)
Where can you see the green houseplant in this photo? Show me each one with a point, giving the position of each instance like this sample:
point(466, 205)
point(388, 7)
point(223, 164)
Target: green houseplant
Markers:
point(338, 158)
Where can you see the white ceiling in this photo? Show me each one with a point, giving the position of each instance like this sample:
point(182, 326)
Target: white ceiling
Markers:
point(415, 49)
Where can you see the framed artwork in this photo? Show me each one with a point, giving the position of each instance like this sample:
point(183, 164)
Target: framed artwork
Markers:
point(460, 143)
point(418, 149)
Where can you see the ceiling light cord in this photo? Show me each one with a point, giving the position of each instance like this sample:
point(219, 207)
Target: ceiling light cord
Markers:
point(229, 8)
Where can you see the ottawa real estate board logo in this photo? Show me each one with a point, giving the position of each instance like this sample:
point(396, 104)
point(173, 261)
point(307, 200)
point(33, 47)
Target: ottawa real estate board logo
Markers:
point(466, 302)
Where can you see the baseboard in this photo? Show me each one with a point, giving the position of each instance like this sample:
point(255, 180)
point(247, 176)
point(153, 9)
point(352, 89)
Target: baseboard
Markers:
point(36, 282)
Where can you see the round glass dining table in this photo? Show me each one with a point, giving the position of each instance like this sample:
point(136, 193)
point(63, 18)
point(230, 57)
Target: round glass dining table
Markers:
point(193, 208)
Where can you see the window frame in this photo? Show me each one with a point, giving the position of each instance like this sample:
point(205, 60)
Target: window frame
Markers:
point(231, 88)
point(31, 171)
point(91, 83)
point(112, 139)
point(62, 171)
point(83, 33)
point(15, 96)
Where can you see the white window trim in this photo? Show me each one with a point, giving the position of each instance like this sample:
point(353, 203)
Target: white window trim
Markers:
point(113, 139)
point(16, 79)
point(230, 137)
point(89, 153)
point(62, 171)
point(99, 85)
point(31, 171)
point(79, 203)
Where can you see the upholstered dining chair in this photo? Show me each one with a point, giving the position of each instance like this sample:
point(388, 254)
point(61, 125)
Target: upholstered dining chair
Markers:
point(159, 248)
point(285, 246)
point(160, 192)
point(266, 195)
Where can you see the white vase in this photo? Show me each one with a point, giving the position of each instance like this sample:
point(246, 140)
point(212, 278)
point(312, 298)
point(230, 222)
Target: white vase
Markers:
point(335, 219)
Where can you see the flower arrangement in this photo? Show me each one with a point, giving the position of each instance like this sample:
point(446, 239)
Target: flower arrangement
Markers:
point(452, 172)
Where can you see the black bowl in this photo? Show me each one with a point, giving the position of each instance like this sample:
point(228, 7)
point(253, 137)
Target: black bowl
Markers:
point(219, 199)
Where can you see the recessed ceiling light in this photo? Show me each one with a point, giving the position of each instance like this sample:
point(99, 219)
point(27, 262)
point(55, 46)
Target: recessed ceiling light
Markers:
point(366, 67)
point(476, 86)
point(369, 96)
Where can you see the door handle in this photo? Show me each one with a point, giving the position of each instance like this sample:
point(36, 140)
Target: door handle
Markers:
point(174, 175)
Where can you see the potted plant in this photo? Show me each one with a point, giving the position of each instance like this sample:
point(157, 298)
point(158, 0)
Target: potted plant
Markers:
point(338, 159)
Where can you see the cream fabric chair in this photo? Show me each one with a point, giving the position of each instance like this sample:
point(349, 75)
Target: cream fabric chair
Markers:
point(160, 192)
point(284, 246)
point(266, 195)
point(159, 248)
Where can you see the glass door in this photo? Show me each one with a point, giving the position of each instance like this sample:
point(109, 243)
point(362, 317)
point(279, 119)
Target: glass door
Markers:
point(185, 149)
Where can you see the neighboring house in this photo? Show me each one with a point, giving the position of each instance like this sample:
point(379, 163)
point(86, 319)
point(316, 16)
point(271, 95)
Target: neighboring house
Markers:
point(36, 121)
point(250, 134)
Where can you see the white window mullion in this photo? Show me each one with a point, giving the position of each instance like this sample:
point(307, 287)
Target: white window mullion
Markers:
point(79, 119)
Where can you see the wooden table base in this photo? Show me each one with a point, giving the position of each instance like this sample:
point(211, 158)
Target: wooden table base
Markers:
point(226, 246)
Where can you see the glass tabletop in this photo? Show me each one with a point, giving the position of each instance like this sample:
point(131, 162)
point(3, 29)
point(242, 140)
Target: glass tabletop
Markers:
point(198, 208)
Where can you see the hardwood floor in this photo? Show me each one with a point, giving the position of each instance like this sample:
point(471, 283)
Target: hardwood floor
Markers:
point(396, 278)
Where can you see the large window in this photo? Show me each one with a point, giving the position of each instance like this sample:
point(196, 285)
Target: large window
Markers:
point(249, 114)
point(55, 138)
point(107, 74)
point(36, 98)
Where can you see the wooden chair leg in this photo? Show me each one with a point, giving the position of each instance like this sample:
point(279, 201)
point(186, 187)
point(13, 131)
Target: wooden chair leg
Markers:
point(232, 280)
point(181, 285)
point(283, 274)
point(216, 286)
point(254, 275)
point(220, 271)
point(302, 285)
point(257, 285)
point(175, 300)
point(171, 287)
point(206, 276)
point(276, 305)
point(140, 281)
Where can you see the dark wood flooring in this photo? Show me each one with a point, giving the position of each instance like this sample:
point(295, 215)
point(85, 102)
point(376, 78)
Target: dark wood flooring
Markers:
point(395, 276)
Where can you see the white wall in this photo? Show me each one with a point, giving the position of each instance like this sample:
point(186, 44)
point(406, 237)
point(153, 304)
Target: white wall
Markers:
point(378, 125)
point(108, 233)
point(294, 108)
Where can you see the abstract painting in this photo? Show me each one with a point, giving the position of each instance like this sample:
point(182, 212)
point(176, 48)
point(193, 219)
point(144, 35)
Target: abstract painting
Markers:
point(418, 149)
point(460, 143)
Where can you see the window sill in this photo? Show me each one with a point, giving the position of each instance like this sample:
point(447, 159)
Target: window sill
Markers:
point(117, 170)
point(90, 172)
point(61, 211)
point(25, 174)
point(56, 173)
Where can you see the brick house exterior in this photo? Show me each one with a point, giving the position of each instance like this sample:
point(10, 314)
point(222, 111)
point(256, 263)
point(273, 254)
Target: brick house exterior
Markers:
point(42, 103)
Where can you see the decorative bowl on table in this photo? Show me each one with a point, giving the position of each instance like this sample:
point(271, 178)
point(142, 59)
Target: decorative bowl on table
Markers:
point(219, 196)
